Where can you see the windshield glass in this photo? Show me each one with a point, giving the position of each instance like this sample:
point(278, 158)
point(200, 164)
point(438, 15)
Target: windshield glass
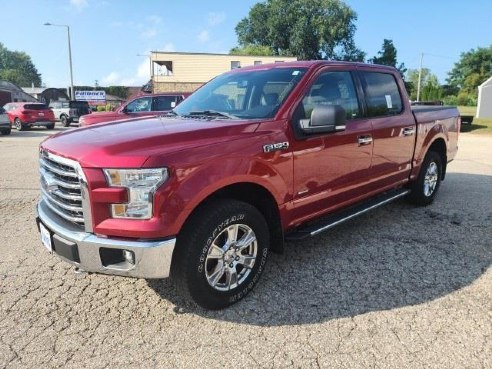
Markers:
point(78, 104)
point(245, 95)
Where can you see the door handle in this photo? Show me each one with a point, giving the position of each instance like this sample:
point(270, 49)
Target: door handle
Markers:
point(364, 140)
point(409, 131)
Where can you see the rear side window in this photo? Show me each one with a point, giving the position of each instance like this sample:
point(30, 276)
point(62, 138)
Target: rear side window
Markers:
point(382, 95)
point(35, 107)
point(163, 103)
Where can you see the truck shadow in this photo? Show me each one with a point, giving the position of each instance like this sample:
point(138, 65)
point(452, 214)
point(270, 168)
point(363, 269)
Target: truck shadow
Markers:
point(396, 256)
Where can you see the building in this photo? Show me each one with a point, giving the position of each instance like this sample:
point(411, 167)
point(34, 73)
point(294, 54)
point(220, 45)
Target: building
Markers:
point(12, 93)
point(484, 107)
point(184, 72)
point(46, 94)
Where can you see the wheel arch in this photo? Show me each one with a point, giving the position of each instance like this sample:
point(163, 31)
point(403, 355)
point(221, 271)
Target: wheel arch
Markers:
point(259, 197)
point(439, 146)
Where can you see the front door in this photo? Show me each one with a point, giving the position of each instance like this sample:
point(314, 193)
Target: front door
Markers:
point(331, 169)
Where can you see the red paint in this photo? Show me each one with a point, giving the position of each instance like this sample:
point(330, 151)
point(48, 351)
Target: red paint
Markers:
point(29, 116)
point(315, 175)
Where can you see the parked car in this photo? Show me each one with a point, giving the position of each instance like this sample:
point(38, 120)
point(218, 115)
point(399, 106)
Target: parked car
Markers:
point(24, 115)
point(69, 111)
point(256, 156)
point(5, 127)
point(141, 106)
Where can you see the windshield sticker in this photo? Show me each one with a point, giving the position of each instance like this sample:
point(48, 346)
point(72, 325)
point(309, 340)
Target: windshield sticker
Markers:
point(295, 73)
point(389, 103)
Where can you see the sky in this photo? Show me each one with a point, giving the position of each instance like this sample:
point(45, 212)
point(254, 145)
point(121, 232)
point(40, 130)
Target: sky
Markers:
point(108, 35)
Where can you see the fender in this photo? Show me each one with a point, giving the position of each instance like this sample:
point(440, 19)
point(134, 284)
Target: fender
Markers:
point(428, 133)
point(179, 204)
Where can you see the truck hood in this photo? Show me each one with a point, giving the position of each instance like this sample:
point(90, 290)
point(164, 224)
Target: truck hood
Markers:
point(129, 144)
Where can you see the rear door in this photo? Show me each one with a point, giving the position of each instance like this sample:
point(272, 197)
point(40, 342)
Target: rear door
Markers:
point(331, 169)
point(393, 126)
point(163, 104)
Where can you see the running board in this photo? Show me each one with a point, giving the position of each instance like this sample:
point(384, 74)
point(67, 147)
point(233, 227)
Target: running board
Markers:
point(341, 216)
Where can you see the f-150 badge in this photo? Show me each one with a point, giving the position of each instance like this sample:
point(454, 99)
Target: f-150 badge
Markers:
point(276, 147)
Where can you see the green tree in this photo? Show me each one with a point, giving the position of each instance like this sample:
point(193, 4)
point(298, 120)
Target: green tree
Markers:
point(473, 68)
point(253, 50)
point(307, 29)
point(430, 89)
point(18, 68)
point(388, 56)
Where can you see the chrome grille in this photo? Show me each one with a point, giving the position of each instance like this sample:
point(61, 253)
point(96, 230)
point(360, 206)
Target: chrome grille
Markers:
point(61, 186)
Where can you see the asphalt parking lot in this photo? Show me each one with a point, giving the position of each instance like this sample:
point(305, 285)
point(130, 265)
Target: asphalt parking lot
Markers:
point(401, 287)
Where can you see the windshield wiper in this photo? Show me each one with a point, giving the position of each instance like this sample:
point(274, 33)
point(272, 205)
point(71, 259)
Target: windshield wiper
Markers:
point(212, 114)
point(171, 113)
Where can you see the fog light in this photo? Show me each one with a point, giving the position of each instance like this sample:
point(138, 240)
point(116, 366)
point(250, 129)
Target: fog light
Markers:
point(129, 256)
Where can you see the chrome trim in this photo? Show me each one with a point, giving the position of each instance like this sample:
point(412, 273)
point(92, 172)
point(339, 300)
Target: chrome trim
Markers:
point(364, 140)
point(152, 258)
point(59, 203)
point(409, 131)
point(51, 163)
point(75, 220)
point(319, 230)
point(56, 170)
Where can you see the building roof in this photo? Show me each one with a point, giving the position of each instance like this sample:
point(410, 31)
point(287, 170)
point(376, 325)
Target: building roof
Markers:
point(487, 82)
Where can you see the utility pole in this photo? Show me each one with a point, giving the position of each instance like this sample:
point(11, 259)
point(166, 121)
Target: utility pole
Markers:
point(420, 77)
point(72, 92)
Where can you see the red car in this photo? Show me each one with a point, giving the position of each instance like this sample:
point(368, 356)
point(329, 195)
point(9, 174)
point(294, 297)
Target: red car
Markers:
point(24, 115)
point(140, 106)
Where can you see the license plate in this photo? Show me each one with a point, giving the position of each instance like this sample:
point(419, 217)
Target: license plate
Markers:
point(41, 114)
point(45, 237)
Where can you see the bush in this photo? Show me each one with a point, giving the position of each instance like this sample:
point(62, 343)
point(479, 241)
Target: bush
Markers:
point(466, 99)
point(450, 100)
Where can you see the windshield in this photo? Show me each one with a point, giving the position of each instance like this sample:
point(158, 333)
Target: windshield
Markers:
point(244, 95)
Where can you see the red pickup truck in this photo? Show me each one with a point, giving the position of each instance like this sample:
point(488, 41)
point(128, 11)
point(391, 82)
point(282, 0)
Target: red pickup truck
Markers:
point(257, 156)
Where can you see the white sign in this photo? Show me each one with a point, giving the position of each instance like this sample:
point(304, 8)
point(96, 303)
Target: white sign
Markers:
point(90, 95)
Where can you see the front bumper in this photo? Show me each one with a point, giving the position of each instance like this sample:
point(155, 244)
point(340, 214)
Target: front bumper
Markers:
point(152, 259)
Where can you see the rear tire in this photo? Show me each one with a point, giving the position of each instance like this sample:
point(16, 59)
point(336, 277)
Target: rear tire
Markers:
point(424, 189)
point(65, 121)
point(18, 125)
point(6, 132)
point(50, 126)
point(220, 253)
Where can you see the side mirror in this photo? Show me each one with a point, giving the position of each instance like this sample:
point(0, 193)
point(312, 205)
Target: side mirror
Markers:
point(325, 119)
point(124, 110)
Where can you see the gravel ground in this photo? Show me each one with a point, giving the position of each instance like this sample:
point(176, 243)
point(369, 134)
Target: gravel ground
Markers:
point(401, 287)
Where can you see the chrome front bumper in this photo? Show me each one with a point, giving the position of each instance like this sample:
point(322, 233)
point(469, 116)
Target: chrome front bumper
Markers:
point(152, 259)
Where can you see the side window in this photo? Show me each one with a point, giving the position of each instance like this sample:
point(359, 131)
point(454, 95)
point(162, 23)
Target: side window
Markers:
point(331, 88)
point(141, 104)
point(382, 95)
point(163, 103)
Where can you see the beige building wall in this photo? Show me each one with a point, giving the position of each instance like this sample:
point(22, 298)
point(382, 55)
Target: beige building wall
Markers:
point(183, 72)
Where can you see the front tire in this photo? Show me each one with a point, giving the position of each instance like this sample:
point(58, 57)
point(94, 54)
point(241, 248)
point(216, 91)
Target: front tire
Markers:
point(50, 126)
point(220, 253)
point(424, 189)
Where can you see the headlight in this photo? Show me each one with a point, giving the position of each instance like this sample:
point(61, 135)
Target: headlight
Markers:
point(141, 185)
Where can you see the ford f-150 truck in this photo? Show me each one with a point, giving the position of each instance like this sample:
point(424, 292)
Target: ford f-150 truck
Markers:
point(257, 156)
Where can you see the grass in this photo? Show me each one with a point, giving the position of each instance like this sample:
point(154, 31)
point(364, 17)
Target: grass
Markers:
point(479, 125)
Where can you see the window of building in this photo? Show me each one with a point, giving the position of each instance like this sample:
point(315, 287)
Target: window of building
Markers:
point(382, 94)
point(279, 61)
point(162, 68)
point(235, 64)
point(258, 62)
